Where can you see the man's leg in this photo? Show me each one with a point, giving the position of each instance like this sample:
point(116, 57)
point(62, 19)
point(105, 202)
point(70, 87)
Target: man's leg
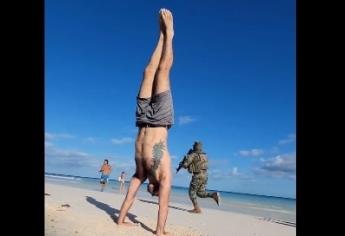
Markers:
point(161, 82)
point(151, 68)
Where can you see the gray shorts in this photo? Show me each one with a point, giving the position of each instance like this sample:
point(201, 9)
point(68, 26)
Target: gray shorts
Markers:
point(155, 111)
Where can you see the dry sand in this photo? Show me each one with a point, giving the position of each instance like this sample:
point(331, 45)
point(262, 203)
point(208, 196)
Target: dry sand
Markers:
point(80, 212)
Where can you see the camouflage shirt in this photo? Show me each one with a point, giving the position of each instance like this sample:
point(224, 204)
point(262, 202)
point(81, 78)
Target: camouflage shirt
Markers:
point(195, 162)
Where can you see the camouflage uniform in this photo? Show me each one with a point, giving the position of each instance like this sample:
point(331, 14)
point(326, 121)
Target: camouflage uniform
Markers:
point(196, 163)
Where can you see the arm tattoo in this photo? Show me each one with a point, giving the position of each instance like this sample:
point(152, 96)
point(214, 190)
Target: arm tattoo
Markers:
point(157, 154)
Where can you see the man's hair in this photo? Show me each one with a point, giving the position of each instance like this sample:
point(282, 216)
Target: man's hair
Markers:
point(106, 161)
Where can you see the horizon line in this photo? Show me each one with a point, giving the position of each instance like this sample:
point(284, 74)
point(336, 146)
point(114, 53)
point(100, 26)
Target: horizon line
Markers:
point(253, 194)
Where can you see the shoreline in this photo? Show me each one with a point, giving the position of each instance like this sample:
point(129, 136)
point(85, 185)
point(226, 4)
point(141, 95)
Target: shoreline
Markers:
point(65, 176)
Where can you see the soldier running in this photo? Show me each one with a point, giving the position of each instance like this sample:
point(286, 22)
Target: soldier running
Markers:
point(196, 163)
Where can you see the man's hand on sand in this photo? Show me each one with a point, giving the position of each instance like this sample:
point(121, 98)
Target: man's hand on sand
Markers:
point(165, 233)
point(128, 224)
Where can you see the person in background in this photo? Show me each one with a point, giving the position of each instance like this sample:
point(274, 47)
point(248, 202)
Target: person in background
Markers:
point(122, 178)
point(105, 170)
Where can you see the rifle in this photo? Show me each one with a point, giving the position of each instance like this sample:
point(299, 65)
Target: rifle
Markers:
point(181, 162)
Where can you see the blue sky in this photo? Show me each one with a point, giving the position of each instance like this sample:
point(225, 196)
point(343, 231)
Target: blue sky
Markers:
point(233, 83)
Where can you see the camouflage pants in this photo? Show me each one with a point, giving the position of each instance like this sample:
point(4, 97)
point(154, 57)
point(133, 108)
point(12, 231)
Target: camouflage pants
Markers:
point(197, 187)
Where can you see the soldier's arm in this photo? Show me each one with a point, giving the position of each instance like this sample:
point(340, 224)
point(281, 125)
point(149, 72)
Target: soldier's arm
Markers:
point(188, 160)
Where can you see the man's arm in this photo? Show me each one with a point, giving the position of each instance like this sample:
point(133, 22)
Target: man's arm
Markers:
point(164, 195)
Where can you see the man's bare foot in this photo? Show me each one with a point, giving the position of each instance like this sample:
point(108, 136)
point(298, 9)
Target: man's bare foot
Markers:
point(167, 19)
point(197, 211)
point(216, 197)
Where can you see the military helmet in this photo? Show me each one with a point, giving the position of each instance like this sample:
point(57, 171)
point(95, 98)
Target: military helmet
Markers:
point(197, 146)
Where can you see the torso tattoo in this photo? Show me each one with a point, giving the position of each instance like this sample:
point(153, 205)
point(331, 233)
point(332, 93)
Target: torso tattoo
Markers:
point(157, 154)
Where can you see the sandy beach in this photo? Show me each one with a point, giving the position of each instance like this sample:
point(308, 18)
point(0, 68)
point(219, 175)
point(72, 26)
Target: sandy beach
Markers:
point(74, 211)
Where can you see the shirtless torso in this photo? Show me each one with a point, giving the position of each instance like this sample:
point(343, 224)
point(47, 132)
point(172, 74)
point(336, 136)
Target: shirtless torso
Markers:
point(152, 156)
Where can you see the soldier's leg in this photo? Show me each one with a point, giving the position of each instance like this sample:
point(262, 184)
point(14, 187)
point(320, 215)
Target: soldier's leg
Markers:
point(193, 188)
point(202, 193)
